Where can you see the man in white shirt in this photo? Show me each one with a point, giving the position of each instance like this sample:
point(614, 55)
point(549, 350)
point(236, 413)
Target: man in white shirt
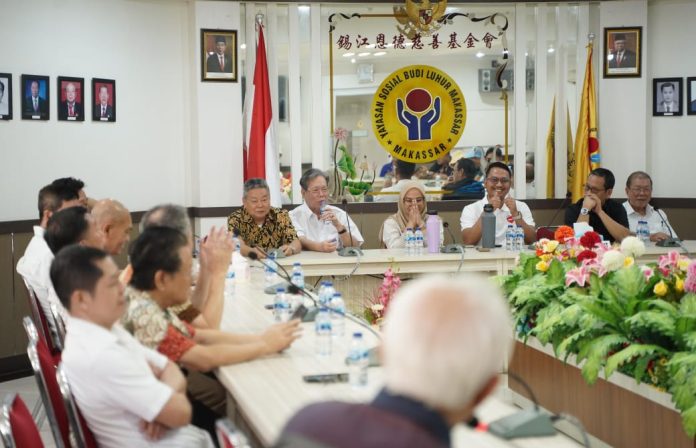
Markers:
point(638, 208)
point(403, 171)
point(34, 266)
point(129, 395)
point(497, 183)
point(322, 227)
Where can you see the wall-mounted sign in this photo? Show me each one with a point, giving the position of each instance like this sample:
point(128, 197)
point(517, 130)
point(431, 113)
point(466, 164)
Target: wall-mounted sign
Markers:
point(418, 113)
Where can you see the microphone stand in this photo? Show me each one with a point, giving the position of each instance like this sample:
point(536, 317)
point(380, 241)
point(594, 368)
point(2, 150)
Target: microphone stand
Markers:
point(453, 248)
point(671, 241)
point(350, 251)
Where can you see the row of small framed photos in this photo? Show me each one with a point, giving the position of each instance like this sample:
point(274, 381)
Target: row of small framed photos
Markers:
point(35, 93)
point(668, 95)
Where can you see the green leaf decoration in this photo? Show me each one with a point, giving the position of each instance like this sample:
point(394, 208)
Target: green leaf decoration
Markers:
point(345, 163)
point(555, 274)
point(628, 281)
point(655, 320)
point(689, 340)
point(689, 421)
point(566, 347)
point(597, 353)
point(627, 354)
point(640, 368)
point(688, 304)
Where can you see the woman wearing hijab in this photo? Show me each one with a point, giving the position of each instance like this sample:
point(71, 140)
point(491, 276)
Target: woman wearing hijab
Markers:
point(410, 214)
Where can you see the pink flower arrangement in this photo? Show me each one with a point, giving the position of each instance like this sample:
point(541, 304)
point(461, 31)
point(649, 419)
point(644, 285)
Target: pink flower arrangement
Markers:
point(579, 275)
point(341, 134)
point(690, 283)
point(590, 239)
point(377, 307)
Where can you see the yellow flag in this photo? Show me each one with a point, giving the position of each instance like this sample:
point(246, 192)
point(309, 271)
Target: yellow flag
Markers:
point(586, 157)
point(570, 161)
point(551, 154)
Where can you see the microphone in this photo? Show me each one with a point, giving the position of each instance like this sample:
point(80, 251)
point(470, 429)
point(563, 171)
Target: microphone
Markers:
point(310, 315)
point(454, 248)
point(671, 241)
point(350, 251)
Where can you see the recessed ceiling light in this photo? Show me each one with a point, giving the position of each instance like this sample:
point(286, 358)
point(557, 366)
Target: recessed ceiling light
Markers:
point(362, 55)
point(243, 46)
point(347, 55)
point(380, 53)
point(352, 61)
point(480, 54)
point(550, 50)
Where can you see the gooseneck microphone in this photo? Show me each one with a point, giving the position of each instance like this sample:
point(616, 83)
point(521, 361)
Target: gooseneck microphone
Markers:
point(350, 251)
point(294, 289)
point(445, 224)
point(671, 241)
point(564, 204)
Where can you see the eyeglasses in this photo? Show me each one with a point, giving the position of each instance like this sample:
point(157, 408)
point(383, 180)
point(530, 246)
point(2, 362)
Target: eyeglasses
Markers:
point(638, 190)
point(593, 190)
point(318, 190)
point(414, 200)
point(498, 180)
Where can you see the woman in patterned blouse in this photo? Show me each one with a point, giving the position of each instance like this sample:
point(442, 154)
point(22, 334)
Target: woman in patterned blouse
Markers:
point(259, 226)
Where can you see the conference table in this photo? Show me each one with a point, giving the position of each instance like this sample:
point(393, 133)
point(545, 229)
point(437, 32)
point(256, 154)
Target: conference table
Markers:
point(266, 392)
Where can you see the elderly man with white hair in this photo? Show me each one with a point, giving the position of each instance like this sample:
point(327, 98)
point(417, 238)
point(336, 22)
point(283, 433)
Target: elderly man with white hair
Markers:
point(445, 340)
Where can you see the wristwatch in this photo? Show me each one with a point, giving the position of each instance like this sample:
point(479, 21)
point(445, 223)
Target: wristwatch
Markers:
point(343, 231)
point(584, 211)
point(517, 216)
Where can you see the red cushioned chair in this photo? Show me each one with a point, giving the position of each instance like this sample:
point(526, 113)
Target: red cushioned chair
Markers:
point(53, 341)
point(17, 427)
point(44, 366)
point(229, 436)
point(78, 426)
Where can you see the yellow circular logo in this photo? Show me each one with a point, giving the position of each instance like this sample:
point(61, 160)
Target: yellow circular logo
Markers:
point(418, 113)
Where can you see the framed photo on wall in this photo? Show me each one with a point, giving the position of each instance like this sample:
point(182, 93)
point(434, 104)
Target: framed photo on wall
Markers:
point(103, 99)
point(667, 97)
point(691, 95)
point(36, 97)
point(622, 50)
point(71, 95)
point(5, 96)
point(218, 55)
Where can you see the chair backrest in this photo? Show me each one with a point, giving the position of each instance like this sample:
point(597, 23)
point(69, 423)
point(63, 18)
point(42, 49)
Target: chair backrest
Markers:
point(84, 437)
point(43, 364)
point(229, 436)
point(17, 427)
point(60, 325)
point(52, 340)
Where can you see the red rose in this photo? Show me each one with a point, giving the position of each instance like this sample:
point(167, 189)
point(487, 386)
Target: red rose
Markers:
point(586, 255)
point(590, 239)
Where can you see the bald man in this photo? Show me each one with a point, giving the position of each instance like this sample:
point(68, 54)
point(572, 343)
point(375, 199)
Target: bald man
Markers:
point(114, 222)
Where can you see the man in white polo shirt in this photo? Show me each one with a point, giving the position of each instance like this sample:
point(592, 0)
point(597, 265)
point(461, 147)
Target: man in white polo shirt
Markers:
point(322, 227)
point(497, 182)
point(129, 395)
point(639, 193)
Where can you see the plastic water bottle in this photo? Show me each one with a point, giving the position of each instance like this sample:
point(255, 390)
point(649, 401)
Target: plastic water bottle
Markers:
point(510, 235)
point(338, 315)
point(357, 362)
point(322, 327)
point(408, 241)
point(298, 275)
point(643, 231)
point(327, 229)
point(519, 239)
point(281, 306)
point(269, 272)
point(237, 248)
point(326, 293)
point(418, 236)
point(229, 281)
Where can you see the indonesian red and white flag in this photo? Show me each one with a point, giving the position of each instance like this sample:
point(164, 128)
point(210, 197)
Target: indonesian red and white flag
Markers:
point(260, 147)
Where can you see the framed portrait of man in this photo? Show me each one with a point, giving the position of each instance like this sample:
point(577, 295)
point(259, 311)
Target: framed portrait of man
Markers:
point(103, 100)
point(667, 97)
point(5, 96)
point(71, 95)
point(218, 55)
point(36, 96)
point(691, 95)
point(622, 52)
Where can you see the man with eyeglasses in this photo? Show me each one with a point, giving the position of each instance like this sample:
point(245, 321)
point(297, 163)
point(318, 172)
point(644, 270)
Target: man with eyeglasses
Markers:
point(505, 208)
point(607, 217)
point(638, 208)
point(322, 227)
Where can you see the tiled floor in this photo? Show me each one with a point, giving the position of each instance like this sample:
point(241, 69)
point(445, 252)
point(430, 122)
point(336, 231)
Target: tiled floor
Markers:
point(26, 388)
